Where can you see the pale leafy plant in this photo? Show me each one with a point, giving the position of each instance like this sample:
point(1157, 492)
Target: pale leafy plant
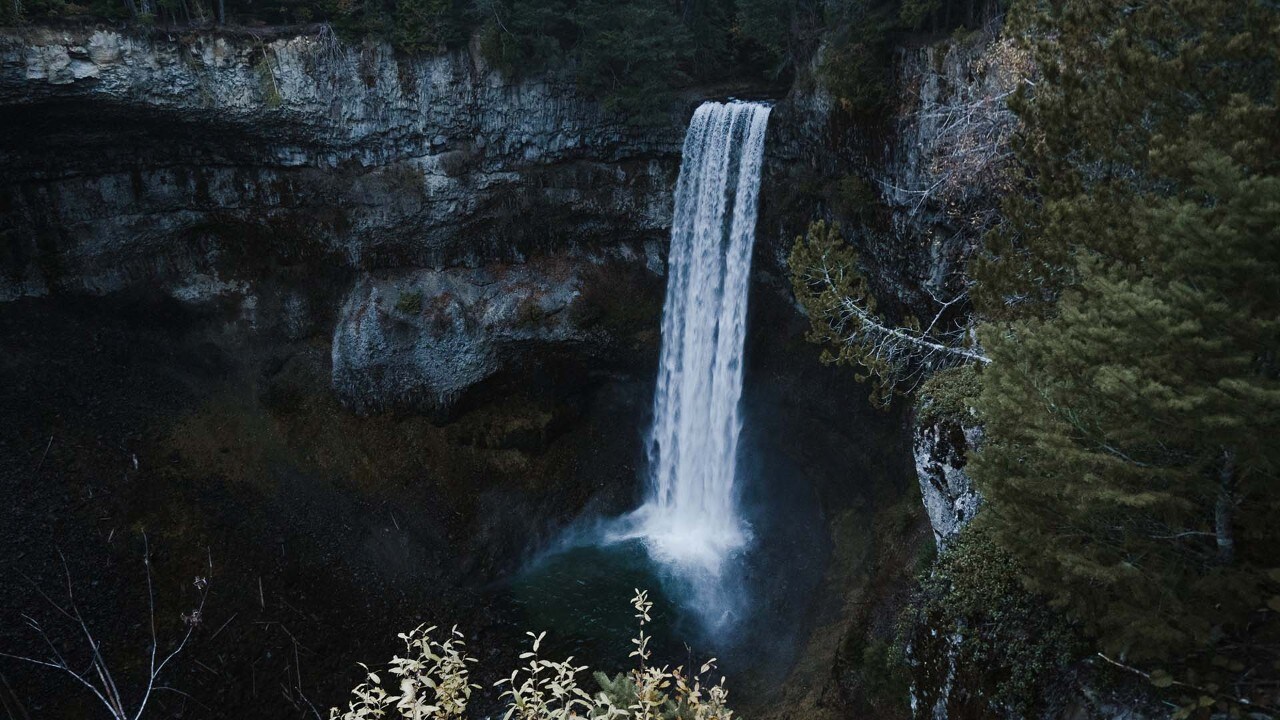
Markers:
point(434, 684)
point(434, 681)
point(545, 690)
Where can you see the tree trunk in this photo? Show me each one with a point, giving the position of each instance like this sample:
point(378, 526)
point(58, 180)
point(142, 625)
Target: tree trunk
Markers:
point(1224, 509)
point(222, 12)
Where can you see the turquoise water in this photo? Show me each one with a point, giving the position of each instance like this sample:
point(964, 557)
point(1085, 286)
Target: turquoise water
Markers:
point(582, 597)
point(753, 618)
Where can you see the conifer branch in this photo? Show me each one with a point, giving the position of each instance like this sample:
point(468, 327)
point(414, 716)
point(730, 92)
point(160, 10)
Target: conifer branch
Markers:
point(843, 314)
point(1163, 680)
point(889, 341)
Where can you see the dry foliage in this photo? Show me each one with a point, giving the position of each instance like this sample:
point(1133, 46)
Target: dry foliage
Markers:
point(433, 683)
point(95, 674)
point(969, 134)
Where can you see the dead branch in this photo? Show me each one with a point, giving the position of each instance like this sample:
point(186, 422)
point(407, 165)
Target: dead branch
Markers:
point(856, 324)
point(97, 677)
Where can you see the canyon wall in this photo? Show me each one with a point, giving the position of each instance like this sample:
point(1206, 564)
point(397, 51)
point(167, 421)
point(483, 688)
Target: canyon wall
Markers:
point(410, 305)
point(118, 141)
point(283, 177)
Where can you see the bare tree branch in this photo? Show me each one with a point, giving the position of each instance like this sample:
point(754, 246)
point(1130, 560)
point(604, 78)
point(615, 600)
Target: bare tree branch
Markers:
point(890, 342)
point(97, 677)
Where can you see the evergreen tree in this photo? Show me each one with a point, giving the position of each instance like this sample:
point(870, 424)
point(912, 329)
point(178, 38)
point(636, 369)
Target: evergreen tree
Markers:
point(631, 54)
point(422, 25)
point(1132, 404)
point(767, 22)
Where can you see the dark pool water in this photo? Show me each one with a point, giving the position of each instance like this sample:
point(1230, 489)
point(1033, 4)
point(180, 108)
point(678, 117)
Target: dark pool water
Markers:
point(753, 618)
point(582, 597)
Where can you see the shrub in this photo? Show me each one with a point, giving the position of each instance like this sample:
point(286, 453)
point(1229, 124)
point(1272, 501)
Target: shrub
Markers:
point(974, 629)
point(433, 682)
point(529, 313)
point(267, 82)
point(856, 198)
point(949, 395)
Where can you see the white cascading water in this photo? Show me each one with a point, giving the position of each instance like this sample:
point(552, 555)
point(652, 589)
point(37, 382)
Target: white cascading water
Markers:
point(691, 517)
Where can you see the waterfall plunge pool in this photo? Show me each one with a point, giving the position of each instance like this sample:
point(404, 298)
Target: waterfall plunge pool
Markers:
point(579, 592)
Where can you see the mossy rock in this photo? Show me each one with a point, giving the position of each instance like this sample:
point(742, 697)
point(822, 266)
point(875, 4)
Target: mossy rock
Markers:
point(409, 303)
point(622, 300)
point(980, 643)
point(949, 396)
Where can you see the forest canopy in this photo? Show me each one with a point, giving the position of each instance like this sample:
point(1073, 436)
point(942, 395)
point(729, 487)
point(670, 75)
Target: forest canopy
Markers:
point(1126, 307)
point(1132, 317)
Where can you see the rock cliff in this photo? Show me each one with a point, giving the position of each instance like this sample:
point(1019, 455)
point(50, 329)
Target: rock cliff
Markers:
point(269, 175)
point(942, 179)
point(154, 158)
point(383, 281)
point(941, 450)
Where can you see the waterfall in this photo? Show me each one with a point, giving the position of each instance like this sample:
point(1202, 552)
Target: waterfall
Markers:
point(691, 517)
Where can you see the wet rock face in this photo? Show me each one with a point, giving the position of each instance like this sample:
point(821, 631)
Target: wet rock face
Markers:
point(144, 160)
point(424, 337)
point(941, 451)
point(950, 160)
point(300, 187)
